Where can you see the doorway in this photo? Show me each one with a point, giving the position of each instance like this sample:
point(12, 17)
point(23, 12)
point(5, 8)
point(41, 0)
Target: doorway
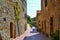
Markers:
point(51, 25)
point(0, 37)
point(45, 25)
point(11, 30)
point(42, 25)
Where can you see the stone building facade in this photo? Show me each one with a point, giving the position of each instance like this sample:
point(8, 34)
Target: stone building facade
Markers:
point(23, 18)
point(39, 20)
point(8, 24)
point(50, 14)
point(33, 21)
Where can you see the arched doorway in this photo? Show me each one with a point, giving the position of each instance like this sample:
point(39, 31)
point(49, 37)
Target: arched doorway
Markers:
point(0, 37)
point(51, 25)
point(11, 30)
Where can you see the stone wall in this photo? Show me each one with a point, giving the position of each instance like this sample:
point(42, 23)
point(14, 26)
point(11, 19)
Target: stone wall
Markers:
point(39, 20)
point(8, 23)
point(50, 14)
point(23, 18)
point(6, 16)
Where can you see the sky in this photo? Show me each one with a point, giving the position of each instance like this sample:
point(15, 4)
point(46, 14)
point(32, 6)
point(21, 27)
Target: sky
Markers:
point(32, 7)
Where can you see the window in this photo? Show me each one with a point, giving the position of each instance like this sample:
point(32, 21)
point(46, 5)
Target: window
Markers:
point(4, 19)
point(51, 21)
point(45, 3)
point(39, 24)
point(39, 21)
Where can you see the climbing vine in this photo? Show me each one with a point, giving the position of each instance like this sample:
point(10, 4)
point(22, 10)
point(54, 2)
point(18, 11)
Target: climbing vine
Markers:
point(17, 13)
point(17, 10)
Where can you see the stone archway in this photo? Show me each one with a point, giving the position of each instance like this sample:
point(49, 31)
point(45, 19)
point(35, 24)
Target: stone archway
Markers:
point(0, 37)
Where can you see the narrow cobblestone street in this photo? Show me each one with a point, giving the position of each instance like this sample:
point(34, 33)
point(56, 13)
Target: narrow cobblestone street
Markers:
point(32, 34)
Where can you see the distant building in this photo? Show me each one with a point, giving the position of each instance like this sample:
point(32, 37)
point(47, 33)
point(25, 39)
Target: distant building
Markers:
point(34, 21)
point(50, 14)
point(8, 24)
point(39, 20)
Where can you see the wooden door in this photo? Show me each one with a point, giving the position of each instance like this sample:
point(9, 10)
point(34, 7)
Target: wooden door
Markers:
point(11, 30)
point(0, 37)
point(51, 25)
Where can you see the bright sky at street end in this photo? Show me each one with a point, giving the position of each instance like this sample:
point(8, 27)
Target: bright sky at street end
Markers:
point(32, 7)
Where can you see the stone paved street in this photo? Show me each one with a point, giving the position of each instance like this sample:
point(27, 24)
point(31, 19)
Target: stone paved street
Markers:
point(32, 35)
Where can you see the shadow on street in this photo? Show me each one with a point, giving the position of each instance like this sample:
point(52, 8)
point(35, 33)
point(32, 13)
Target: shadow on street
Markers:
point(38, 36)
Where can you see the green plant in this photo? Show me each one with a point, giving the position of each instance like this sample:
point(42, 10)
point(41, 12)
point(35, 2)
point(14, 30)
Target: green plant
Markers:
point(17, 10)
point(29, 20)
point(31, 25)
point(55, 35)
